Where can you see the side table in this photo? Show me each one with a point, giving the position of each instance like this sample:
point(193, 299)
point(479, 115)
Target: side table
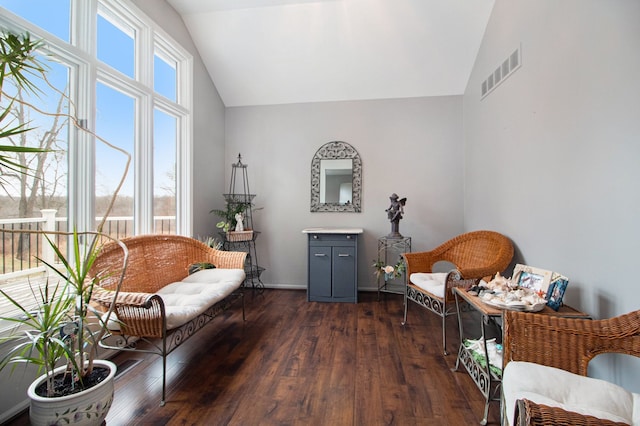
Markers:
point(487, 381)
point(390, 253)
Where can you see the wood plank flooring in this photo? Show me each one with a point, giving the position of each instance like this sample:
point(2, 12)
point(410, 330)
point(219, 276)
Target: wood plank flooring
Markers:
point(298, 363)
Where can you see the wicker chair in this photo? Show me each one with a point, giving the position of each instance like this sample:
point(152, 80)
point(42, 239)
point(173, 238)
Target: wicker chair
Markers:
point(476, 255)
point(564, 343)
point(156, 261)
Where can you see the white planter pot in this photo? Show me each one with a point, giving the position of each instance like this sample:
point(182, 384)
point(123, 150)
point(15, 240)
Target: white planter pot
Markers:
point(89, 407)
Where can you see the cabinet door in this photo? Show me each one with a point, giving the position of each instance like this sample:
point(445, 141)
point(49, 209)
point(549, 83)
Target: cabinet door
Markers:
point(319, 272)
point(344, 272)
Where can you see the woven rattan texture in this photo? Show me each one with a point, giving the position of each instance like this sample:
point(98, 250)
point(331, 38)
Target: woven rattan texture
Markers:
point(158, 260)
point(568, 344)
point(154, 262)
point(529, 413)
point(476, 254)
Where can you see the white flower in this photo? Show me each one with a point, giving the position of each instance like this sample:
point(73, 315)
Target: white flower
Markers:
point(388, 269)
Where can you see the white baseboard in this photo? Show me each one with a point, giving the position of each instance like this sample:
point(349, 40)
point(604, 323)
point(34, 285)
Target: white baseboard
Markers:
point(304, 287)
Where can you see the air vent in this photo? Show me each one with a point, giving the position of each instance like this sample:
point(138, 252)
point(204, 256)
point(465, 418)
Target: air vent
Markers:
point(501, 73)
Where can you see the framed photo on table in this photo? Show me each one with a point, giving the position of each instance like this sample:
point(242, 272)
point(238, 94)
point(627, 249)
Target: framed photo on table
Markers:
point(556, 290)
point(532, 278)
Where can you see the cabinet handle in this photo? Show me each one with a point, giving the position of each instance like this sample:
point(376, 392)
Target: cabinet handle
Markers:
point(348, 237)
point(319, 255)
point(315, 237)
point(343, 255)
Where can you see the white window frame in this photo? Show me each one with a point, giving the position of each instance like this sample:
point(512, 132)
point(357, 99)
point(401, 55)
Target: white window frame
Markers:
point(85, 71)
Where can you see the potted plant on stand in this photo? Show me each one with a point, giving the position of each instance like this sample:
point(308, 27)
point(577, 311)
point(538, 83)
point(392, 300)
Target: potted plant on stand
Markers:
point(59, 334)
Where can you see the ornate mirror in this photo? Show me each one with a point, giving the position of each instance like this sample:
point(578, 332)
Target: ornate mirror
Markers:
point(336, 178)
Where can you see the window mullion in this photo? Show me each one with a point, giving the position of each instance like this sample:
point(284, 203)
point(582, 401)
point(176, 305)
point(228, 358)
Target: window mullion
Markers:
point(144, 167)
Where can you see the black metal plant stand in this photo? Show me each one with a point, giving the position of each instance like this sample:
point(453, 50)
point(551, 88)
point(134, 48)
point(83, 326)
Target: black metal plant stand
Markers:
point(246, 240)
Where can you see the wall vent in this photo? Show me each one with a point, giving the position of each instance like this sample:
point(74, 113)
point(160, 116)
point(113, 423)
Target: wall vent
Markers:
point(501, 73)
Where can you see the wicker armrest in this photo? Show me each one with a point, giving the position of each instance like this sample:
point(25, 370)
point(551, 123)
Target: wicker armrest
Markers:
point(529, 413)
point(138, 314)
point(454, 279)
point(420, 261)
point(568, 343)
point(228, 259)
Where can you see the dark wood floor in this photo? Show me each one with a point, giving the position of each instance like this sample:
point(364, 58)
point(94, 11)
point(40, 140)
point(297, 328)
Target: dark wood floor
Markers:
point(299, 363)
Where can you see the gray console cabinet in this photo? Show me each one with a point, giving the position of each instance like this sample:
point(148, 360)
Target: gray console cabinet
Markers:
point(332, 267)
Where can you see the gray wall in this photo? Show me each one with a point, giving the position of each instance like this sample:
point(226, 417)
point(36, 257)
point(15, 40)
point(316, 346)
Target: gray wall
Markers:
point(552, 154)
point(411, 146)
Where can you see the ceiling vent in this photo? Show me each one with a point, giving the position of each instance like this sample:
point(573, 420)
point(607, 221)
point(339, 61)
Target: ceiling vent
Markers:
point(500, 74)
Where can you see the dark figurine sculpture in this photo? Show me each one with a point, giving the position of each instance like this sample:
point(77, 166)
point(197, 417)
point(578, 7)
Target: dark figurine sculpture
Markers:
point(394, 213)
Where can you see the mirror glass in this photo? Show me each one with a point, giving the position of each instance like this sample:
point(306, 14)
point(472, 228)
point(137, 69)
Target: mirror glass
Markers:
point(336, 178)
point(336, 181)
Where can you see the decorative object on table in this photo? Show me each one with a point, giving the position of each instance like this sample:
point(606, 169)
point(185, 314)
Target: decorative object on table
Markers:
point(548, 284)
point(239, 219)
point(556, 290)
point(505, 293)
point(389, 271)
point(533, 278)
point(394, 213)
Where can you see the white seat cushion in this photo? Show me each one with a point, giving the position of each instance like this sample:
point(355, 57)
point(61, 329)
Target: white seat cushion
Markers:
point(186, 299)
point(190, 297)
point(571, 392)
point(430, 282)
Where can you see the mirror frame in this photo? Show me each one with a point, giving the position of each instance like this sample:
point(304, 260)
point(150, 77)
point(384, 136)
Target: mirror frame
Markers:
point(336, 150)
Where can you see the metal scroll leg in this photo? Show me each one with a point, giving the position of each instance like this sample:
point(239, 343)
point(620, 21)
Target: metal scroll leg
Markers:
point(406, 303)
point(244, 318)
point(164, 369)
point(460, 333)
point(487, 391)
point(444, 330)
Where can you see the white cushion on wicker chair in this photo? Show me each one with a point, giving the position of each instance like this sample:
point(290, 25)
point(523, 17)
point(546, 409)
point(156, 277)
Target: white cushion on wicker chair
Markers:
point(559, 388)
point(430, 282)
point(190, 297)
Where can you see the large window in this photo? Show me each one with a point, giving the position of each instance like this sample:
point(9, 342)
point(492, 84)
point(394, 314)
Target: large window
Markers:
point(125, 85)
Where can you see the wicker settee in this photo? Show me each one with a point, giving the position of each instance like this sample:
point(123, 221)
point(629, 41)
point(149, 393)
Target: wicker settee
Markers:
point(159, 302)
point(546, 357)
point(474, 255)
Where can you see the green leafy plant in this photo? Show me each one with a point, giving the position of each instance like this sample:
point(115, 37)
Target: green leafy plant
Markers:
point(229, 215)
point(39, 341)
point(19, 64)
point(389, 271)
point(60, 327)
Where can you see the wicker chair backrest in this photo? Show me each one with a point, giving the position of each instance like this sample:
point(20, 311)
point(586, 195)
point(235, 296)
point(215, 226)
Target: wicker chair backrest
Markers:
point(477, 254)
point(154, 261)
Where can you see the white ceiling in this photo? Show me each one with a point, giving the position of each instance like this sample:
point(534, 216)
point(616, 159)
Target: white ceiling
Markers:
point(263, 52)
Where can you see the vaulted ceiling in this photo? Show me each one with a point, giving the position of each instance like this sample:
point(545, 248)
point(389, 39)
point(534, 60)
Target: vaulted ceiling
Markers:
point(264, 52)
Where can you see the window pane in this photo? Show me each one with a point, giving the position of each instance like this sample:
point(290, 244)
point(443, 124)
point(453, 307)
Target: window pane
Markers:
point(41, 183)
point(164, 173)
point(116, 46)
point(115, 123)
point(52, 15)
point(164, 77)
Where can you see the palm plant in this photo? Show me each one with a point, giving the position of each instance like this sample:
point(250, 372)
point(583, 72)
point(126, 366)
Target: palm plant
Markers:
point(18, 63)
point(61, 325)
